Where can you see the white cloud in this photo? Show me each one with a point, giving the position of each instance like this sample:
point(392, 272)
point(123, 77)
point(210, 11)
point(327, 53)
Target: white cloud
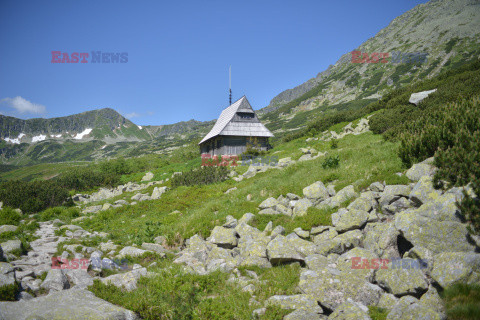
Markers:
point(132, 115)
point(23, 106)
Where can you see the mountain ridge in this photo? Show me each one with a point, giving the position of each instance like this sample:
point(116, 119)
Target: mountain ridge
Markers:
point(448, 30)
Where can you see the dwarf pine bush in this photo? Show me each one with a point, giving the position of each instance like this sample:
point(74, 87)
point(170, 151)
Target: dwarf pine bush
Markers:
point(33, 196)
point(200, 176)
point(451, 133)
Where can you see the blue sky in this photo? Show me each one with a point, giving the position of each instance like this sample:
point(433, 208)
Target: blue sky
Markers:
point(178, 52)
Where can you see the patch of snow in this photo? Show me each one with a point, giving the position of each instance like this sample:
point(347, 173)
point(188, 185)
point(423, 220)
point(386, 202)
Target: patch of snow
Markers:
point(82, 134)
point(103, 147)
point(58, 136)
point(16, 140)
point(39, 138)
point(139, 127)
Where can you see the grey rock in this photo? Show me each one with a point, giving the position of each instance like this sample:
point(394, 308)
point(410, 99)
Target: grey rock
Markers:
point(224, 237)
point(11, 245)
point(436, 236)
point(301, 207)
point(417, 97)
point(316, 192)
point(350, 310)
point(74, 304)
point(157, 192)
point(332, 289)
point(8, 228)
point(456, 267)
point(392, 193)
point(127, 280)
point(338, 199)
point(55, 280)
point(280, 251)
point(400, 281)
point(424, 191)
point(345, 220)
point(295, 302)
point(419, 170)
point(131, 251)
point(148, 176)
point(409, 308)
point(155, 247)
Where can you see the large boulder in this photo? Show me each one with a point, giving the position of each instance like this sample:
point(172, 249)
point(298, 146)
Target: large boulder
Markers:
point(350, 310)
point(356, 262)
point(442, 208)
point(400, 280)
point(419, 170)
point(410, 308)
point(424, 191)
point(80, 278)
point(70, 304)
point(316, 192)
point(340, 197)
point(295, 302)
point(332, 288)
point(454, 267)
point(301, 207)
point(417, 97)
point(224, 237)
point(345, 220)
point(127, 280)
point(436, 236)
point(381, 238)
point(56, 280)
point(392, 193)
point(279, 250)
point(302, 246)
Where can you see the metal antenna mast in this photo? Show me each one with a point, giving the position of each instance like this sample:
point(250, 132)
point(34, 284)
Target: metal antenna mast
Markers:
point(230, 84)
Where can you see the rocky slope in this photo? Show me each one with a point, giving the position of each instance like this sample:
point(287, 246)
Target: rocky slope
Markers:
point(446, 30)
point(392, 247)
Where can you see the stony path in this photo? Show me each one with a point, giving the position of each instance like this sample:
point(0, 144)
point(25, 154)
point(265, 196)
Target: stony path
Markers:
point(39, 259)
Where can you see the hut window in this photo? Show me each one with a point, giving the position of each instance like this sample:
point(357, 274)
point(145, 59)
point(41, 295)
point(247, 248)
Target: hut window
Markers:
point(245, 115)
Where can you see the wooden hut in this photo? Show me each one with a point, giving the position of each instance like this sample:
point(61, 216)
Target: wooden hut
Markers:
point(236, 129)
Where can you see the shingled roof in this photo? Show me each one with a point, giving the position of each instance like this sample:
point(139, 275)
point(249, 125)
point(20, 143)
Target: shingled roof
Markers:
point(226, 127)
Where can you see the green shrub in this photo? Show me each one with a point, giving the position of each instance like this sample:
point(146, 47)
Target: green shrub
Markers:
point(377, 313)
point(10, 216)
point(63, 213)
point(452, 134)
point(333, 144)
point(33, 196)
point(331, 162)
point(462, 301)
point(8, 292)
point(200, 176)
point(252, 151)
point(116, 166)
point(87, 178)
